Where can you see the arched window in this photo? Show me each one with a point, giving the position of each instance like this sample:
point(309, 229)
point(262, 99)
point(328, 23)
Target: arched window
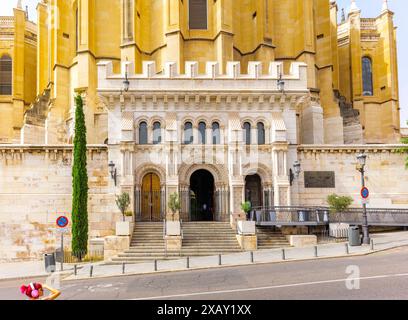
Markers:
point(143, 133)
point(247, 133)
point(202, 127)
point(216, 138)
point(367, 77)
point(157, 139)
point(197, 13)
point(188, 133)
point(6, 75)
point(261, 133)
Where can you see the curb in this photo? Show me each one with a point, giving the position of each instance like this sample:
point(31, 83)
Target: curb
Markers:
point(351, 255)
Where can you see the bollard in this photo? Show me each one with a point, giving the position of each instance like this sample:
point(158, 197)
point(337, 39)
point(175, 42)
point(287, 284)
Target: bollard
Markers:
point(155, 265)
point(315, 251)
point(372, 244)
point(123, 268)
point(283, 254)
point(75, 269)
point(91, 271)
point(188, 262)
point(219, 260)
point(252, 257)
point(347, 248)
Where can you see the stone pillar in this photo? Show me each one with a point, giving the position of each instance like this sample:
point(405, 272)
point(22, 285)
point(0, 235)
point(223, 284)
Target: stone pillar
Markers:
point(312, 124)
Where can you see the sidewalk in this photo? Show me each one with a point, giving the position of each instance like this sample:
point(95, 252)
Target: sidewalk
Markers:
point(29, 269)
point(382, 241)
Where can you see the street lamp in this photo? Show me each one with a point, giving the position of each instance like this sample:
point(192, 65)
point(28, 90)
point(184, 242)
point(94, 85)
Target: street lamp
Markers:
point(360, 167)
point(112, 171)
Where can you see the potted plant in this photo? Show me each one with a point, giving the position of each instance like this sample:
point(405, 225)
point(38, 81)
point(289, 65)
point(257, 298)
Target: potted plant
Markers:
point(246, 227)
point(123, 228)
point(338, 204)
point(246, 207)
point(174, 204)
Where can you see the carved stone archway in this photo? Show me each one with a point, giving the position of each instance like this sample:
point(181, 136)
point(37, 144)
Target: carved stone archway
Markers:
point(221, 198)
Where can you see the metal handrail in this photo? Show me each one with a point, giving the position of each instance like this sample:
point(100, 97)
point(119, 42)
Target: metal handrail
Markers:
point(164, 236)
point(182, 233)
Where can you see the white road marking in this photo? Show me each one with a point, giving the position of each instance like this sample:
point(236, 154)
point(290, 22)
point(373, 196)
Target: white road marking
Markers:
point(398, 275)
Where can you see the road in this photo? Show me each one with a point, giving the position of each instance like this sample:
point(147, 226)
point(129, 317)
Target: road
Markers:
point(382, 275)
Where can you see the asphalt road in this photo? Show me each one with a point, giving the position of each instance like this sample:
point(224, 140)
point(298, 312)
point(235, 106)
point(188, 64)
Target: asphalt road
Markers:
point(378, 276)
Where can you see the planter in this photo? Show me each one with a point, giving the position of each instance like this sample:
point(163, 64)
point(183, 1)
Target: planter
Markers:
point(124, 228)
point(246, 227)
point(173, 228)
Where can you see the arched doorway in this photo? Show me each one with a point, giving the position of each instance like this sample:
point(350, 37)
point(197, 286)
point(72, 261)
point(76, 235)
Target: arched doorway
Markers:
point(202, 204)
point(151, 198)
point(253, 190)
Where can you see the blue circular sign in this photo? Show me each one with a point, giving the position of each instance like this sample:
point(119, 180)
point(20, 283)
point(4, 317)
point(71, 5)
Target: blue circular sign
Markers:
point(365, 193)
point(62, 222)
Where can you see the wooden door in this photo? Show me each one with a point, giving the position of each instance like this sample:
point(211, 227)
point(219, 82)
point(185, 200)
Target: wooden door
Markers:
point(151, 198)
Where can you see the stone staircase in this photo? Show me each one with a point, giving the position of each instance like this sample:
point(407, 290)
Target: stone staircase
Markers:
point(352, 129)
point(200, 239)
point(270, 238)
point(208, 238)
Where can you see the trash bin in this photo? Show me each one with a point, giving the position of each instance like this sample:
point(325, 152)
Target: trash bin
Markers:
point(49, 259)
point(354, 236)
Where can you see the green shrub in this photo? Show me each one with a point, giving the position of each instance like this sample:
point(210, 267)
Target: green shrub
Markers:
point(339, 203)
point(123, 202)
point(246, 206)
point(174, 203)
point(404, 149)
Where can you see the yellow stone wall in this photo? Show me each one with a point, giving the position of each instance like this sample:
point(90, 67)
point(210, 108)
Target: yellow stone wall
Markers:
point(245, 30)
point(18, 39)
point(374, 38)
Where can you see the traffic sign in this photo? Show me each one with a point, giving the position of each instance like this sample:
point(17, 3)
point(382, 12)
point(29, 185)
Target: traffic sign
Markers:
point(62, 230)
point(62, 221)
point(365, 193)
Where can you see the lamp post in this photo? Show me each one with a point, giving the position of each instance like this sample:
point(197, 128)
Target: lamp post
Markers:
point(360, 167)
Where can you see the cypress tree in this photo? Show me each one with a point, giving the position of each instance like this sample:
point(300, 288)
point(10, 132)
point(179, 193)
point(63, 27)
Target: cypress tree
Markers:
point(79, 185)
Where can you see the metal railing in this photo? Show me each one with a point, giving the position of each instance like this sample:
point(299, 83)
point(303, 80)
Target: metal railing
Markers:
point(164, 237)
point(91, 256)
point(289, 215)
point(298, 215)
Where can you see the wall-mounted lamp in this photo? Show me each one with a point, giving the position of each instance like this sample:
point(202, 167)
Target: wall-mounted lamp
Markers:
point(112, 171)
point(126, 82)
point(281, 83)
point(295, 172)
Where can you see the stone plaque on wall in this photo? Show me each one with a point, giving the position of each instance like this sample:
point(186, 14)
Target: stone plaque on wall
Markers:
point(320, 179)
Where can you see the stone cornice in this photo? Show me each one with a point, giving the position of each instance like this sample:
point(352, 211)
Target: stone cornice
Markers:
point(353, 148)
point(48, 148)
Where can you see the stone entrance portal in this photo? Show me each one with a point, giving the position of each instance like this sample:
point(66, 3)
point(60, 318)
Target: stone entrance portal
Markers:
point(151, 198)
point(253, 190)
point(202, 202)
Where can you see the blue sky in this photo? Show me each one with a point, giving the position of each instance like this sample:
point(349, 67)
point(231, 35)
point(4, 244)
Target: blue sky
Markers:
point(369, 8)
